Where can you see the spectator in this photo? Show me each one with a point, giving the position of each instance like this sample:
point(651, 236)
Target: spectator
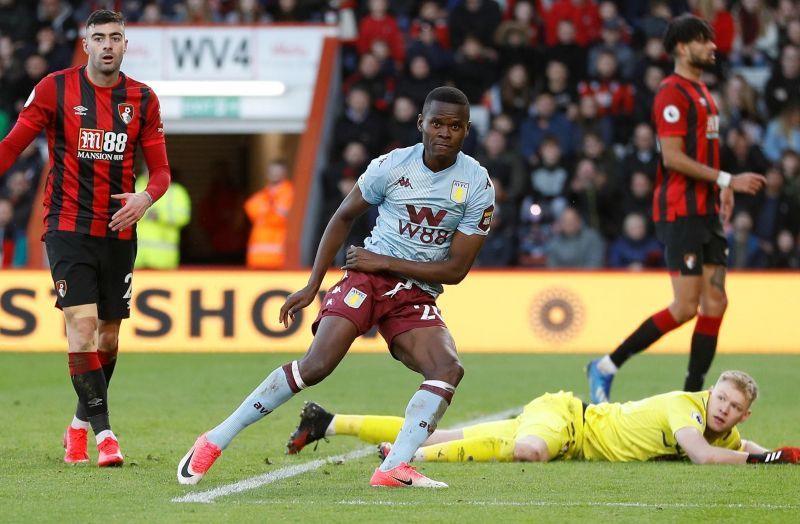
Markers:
point(474, 68)
point(17, 20)
point(268, 211)
point(534, 237)
point(558, 83)
point(548, 181)
point(584, 16)
point(20, 194)
point(568, 52)
point(756, 34)
point(653, 55)
point(591, 193)
point(783, 132)
point(738, 107)
point(790, 168)
point(739, 155)
point(786, 255)
point(433, 18)
point(614, 97)
point(654, 24)
point(786, 12)
point(603, 157)
point(588, 121)
point(380, 86)
point(35, 70)
point(638, 197)
point(574, 245)
point(152, 14)
point(635, 249)
point(611, 41)
point(402, 129)
point(479, 18)
point(513, 94)
point(784, 83)
point(745, 249)
point(426, 43)
point(776, 212)
point(642, 156)
point(545, 121)
point(515, 39)
point(499, 248)
point(504, 166)
point(717, 14)
point(418, 80)
point(58, 56)
point(380, 25)
point(194, 12)
point(358, 123)
point(247, 12)
point(159, 230)
point(58, 15)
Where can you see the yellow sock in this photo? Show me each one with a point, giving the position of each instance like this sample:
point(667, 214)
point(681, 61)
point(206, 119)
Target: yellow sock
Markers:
point(369, 428)
point(478, 449)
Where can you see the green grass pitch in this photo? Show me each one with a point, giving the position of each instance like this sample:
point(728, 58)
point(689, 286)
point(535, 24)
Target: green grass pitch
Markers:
point(161, 402)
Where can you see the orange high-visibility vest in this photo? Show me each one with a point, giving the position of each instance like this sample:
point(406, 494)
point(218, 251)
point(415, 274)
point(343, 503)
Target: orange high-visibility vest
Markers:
point(268, 210)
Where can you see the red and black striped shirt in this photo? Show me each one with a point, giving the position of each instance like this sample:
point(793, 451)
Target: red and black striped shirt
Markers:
point(92, 134)
point(685, 108)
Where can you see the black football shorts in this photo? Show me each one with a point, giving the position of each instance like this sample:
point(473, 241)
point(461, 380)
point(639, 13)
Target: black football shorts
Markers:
point(92, 270)
point(691, 242)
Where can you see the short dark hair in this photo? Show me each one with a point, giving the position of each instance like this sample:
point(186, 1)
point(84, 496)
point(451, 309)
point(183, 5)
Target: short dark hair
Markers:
point(684, 29)
point(447, 94)
point(104, 16)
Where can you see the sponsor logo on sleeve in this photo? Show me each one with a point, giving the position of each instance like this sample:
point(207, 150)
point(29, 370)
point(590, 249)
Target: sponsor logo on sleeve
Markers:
point(486, 219)
point(672, 114)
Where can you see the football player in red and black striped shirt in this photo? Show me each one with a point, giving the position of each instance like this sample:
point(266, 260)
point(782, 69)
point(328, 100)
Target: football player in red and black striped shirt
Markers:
point(95, 117)
point(691, 200)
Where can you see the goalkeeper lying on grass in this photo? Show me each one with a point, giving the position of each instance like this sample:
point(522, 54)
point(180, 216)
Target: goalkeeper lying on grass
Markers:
point(676, 425)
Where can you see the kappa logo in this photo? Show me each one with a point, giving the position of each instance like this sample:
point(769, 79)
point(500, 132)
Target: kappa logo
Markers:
point(80, 110)
point(354, 298)
point(690, 260)
point(403, 182)
point(61, 288)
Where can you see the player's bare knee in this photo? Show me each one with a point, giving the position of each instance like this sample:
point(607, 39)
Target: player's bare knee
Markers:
point(685, 310)
point(313, 371)
point(530, 452)
point(451, 372)
point(107, 341)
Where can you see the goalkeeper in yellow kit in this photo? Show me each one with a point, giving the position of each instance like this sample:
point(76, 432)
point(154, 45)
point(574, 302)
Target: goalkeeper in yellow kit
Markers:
point(699, 426)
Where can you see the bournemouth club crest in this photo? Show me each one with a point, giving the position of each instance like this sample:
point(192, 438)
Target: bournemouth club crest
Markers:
point(61, 288)
point(690, 260)
point(125, 112)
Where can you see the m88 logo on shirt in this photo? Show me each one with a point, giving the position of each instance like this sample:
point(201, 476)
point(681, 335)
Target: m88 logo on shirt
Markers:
point(97, 144)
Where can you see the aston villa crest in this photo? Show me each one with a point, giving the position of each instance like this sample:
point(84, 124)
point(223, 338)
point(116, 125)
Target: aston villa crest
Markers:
point(125, 112)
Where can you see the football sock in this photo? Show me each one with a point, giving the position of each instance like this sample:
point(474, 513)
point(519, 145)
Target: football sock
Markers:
point(90, 385)
point(478, 449)
point(100, 437)
point(607, 366)
point(79, 424)
point(277, 388)
point(651, 330)
point(369, 428)
point(108, 360)
point(423, 412)
point(704, 345)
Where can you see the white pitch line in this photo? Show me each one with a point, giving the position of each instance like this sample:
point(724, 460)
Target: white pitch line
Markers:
point(208, 496)
point(542, 503)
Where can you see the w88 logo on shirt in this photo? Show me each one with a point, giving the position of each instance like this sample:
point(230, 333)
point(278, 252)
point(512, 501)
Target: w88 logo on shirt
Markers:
point(98, 144)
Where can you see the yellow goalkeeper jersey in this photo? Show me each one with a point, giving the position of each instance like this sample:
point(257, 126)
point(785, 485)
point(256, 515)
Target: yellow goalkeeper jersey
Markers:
point(645, 429)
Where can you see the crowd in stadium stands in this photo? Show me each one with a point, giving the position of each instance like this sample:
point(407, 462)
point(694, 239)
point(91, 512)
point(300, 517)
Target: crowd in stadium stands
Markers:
point(561, 93)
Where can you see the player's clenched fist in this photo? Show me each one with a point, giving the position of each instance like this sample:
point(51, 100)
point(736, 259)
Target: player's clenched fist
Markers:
point(295, 302)
point(360, 259)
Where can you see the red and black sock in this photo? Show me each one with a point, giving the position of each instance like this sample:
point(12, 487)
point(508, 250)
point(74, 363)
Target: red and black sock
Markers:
point(645, 335)
point(704, 346)
point(108, 359)
point(90, 384)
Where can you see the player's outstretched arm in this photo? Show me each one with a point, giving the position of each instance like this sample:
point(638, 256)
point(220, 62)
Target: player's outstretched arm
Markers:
point(675, 158)
point(463, 251)
point(14, 144)
point(700, 451)
point(352, 207)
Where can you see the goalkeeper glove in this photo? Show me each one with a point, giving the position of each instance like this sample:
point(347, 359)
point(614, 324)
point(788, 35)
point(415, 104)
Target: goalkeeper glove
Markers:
point(784, 455)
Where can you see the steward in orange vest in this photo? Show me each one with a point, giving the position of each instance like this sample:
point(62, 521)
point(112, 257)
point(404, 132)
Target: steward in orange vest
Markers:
point(268, 210)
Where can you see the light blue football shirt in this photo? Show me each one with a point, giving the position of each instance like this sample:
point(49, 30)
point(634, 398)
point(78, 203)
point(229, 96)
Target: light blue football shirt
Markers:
point(419, 210)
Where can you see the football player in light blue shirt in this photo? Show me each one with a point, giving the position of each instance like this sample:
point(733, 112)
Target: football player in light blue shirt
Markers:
point(435, 207)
